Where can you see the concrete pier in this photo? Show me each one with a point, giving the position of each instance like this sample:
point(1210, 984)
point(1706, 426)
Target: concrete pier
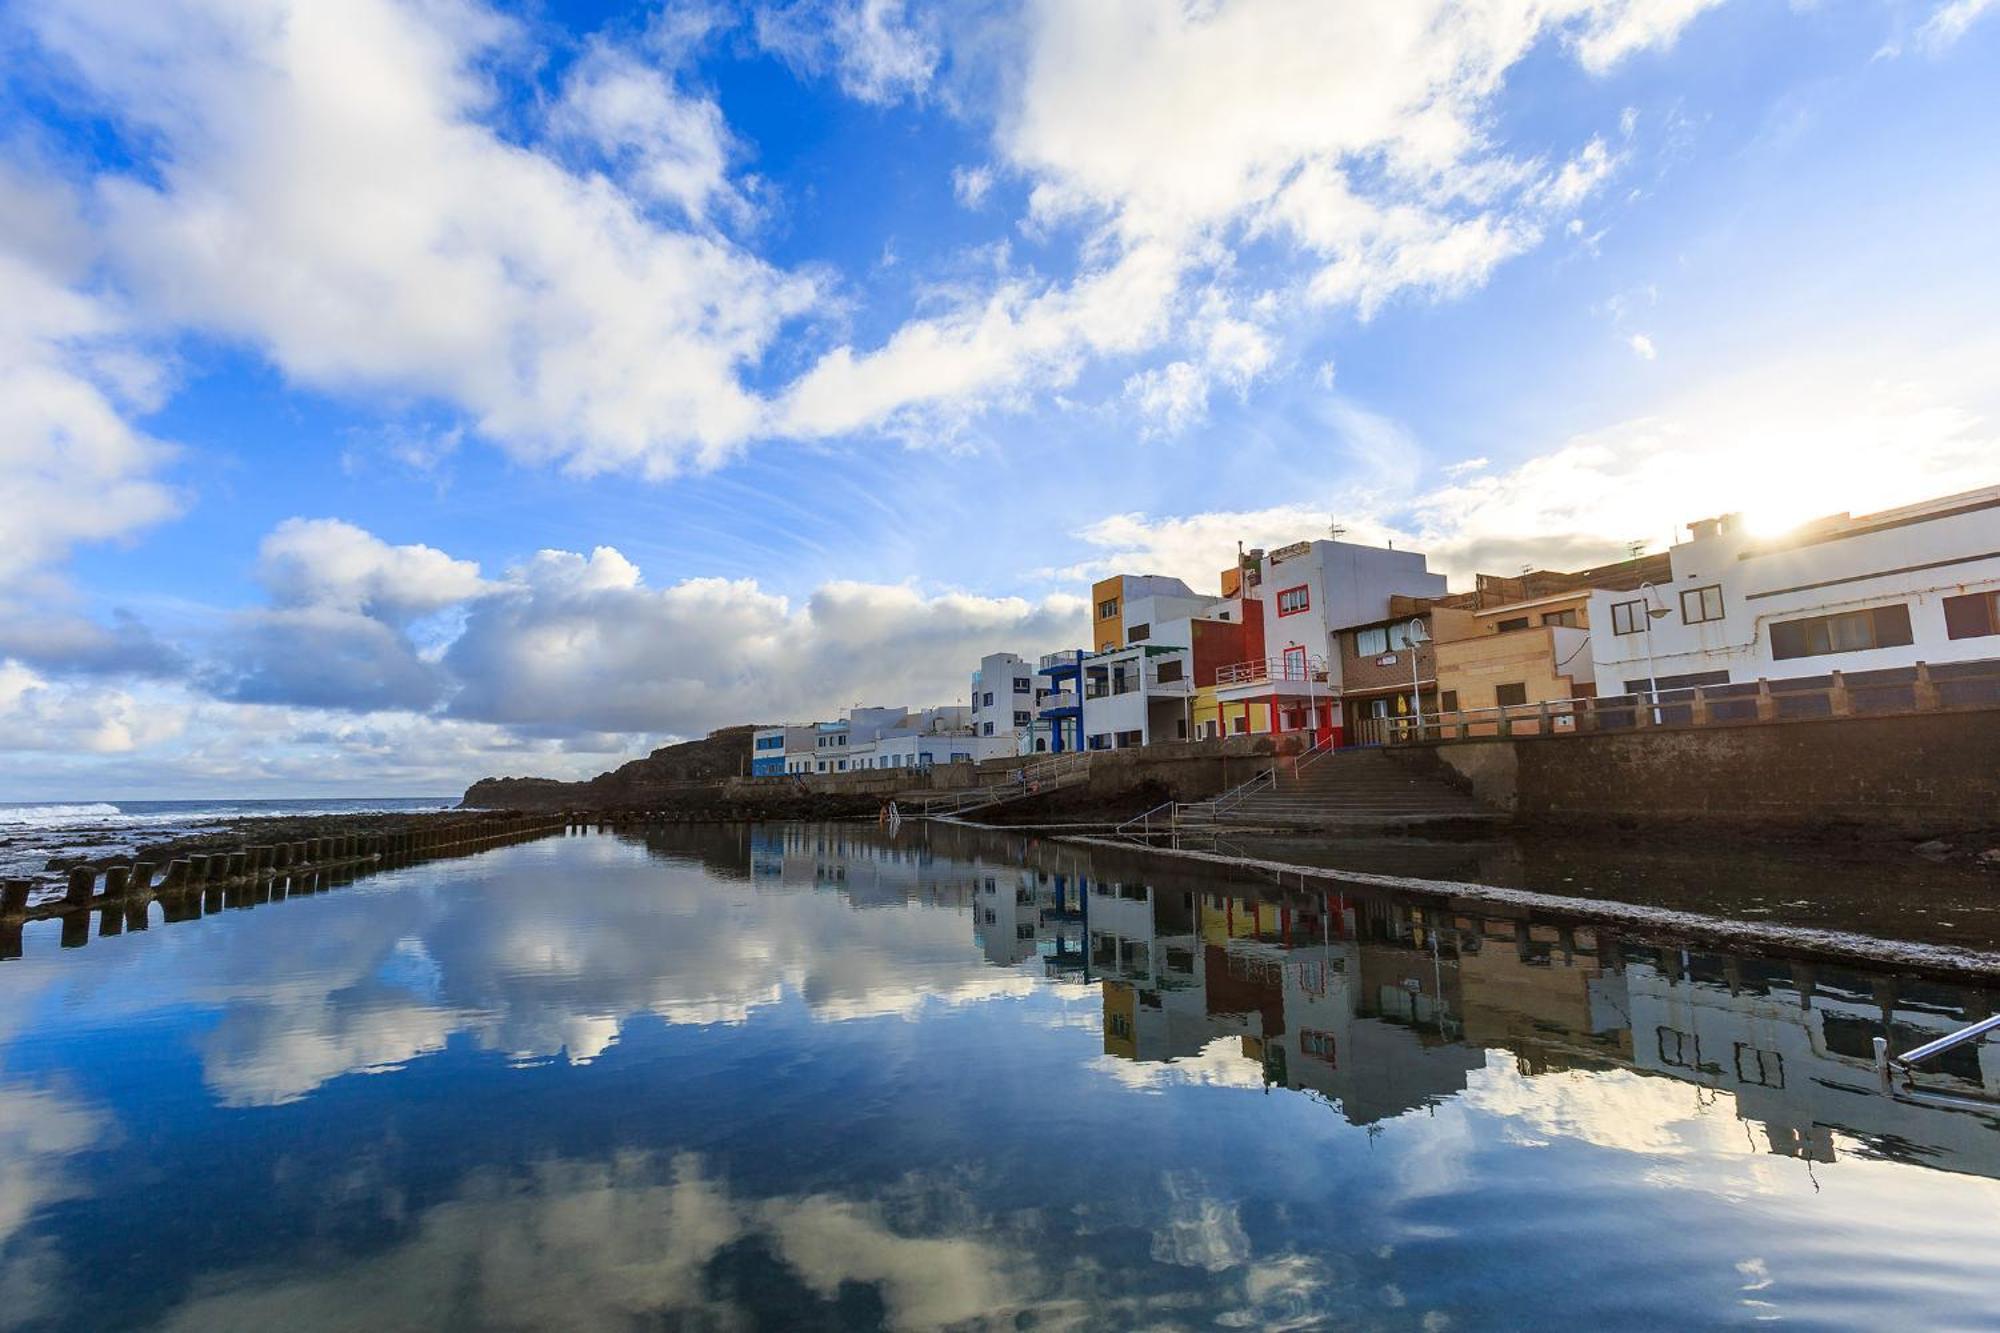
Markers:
point(82, 887)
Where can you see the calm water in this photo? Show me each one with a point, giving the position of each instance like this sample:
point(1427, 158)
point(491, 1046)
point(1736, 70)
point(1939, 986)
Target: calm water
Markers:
point(807, 1077)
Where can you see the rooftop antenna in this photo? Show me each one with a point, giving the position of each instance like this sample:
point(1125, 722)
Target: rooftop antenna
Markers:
point(1335, 530)
point(1636, 549)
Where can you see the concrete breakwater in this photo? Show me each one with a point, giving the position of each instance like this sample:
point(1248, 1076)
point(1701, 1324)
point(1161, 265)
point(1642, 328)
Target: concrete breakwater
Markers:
point(192, 886)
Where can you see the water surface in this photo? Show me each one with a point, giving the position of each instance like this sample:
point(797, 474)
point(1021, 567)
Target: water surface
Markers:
point(792, 1076)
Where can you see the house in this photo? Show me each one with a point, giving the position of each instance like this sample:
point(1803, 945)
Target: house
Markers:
point(1874, 593)
point(1004, 700)
point(1529, 641)
point(1126, 607)
point(1388, 666)
point(1307, 594)
point(772, 747)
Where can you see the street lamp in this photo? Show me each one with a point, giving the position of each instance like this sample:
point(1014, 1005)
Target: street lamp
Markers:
point(1418, 635)
point(1652, 677)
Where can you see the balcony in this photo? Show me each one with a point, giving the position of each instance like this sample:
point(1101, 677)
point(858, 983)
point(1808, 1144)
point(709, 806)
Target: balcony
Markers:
point(1059, 702)
point(1067, 660)
point(1275, 675)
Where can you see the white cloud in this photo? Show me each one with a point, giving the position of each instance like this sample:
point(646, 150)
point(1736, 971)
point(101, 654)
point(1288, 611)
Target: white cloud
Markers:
point(327, 192)
point(1173, 396)
point(1642, 347)
point(323, 562)
point(581, 642)
point(1614, 30)
point(72, 466)
point(1949, 22)
point(42, 715)
point(879, 51)
point(667, 146)
point(972, 184)
point(1785, 442)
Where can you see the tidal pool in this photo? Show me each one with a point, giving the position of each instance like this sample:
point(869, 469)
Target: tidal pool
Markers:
point(796, 1076)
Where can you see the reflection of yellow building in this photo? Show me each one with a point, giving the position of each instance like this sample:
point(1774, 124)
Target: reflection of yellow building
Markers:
point(1121, 1014)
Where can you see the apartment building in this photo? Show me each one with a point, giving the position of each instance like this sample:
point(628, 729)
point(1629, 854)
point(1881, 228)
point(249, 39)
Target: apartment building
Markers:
point(1005, 697)
point(1126, 608)
point(772, 748)
point(1857, 594)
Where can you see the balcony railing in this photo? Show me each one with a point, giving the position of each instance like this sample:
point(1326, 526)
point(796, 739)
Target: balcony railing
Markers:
point(1068, 657)
point(1273, 669)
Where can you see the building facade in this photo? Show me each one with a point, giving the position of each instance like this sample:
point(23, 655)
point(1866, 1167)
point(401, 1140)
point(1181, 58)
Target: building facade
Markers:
point(1877, 592)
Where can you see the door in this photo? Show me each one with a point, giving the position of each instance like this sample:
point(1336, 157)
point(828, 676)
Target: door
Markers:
point(1295, 662)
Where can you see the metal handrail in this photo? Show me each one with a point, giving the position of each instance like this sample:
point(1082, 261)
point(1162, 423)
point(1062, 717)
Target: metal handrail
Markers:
point(1949, 1041)
point(1145, 819)
point(1886, 1066)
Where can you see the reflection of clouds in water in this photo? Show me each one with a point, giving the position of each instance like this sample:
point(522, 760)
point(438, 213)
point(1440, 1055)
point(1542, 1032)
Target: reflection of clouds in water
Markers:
point(40, 1130)
point(1655, 1117)
point(1199, 1231)
point(1220, 1064)
point(545, 957)
point(602, 1244)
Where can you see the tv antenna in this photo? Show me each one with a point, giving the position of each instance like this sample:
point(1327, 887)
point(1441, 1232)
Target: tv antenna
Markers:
point(1635, 549)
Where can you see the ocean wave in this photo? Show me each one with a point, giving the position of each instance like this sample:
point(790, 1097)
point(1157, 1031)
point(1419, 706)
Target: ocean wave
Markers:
point(39, 816)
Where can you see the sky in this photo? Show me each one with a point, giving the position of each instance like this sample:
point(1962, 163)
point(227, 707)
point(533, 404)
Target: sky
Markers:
point(397, 394)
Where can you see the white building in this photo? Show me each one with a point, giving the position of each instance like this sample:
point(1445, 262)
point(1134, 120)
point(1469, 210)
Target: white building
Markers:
point(778, 750)
point(1137, 695)
point(1004, 698)
point(1150, 601)
point(1852, 594)
point(1306, 594)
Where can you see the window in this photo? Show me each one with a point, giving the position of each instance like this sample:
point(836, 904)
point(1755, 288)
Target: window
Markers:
point(1023, 684)
point(1679, 1049)
point(987, 729)
point(1294, 600)
point(1381, 639)
point(1628, 617)
point(1020, 718)
point(1972, 616)
point(1108, 609)
point(1566, 618)
point(1511, 695)
point(1169, 671)
point(1240, 725)
point(1509, 626)
point(1702, 604)
point(1766, 1069)
point(986, 700)
point(1125, 738)
point(1848, 632)
point(770, 742)
point(1138, 633)
point(1448, 701)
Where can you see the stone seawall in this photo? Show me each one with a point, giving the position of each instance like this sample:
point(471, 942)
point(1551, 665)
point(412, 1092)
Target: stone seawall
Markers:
point(1911, 773)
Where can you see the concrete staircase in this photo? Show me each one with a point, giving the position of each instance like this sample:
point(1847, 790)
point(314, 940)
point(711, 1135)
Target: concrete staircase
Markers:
point(1343, 789)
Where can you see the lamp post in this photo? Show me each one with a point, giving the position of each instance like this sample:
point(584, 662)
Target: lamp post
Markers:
point(1418, 634)
point(1652, 677)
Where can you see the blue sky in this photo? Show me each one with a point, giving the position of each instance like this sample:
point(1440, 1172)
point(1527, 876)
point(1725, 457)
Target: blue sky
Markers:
point(410, 392)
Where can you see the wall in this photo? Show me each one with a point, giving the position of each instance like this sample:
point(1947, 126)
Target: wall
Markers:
point(1915, 774)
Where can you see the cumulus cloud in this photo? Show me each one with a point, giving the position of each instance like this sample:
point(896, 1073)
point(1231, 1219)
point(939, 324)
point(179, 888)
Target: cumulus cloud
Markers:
point(326, 563)
point(38, 714)
point(326, 190)
point(582, 642)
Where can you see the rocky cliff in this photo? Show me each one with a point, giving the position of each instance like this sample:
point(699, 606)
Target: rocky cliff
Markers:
point(669, 772)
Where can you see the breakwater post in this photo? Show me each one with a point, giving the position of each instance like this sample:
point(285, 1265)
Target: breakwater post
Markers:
point(194, 885)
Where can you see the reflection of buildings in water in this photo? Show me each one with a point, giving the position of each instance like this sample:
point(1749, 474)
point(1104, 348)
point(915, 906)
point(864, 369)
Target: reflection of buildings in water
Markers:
point(1382, 1007)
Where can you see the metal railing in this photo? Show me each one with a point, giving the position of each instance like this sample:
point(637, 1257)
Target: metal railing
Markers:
point(1922, 688)
point(1261, 671)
